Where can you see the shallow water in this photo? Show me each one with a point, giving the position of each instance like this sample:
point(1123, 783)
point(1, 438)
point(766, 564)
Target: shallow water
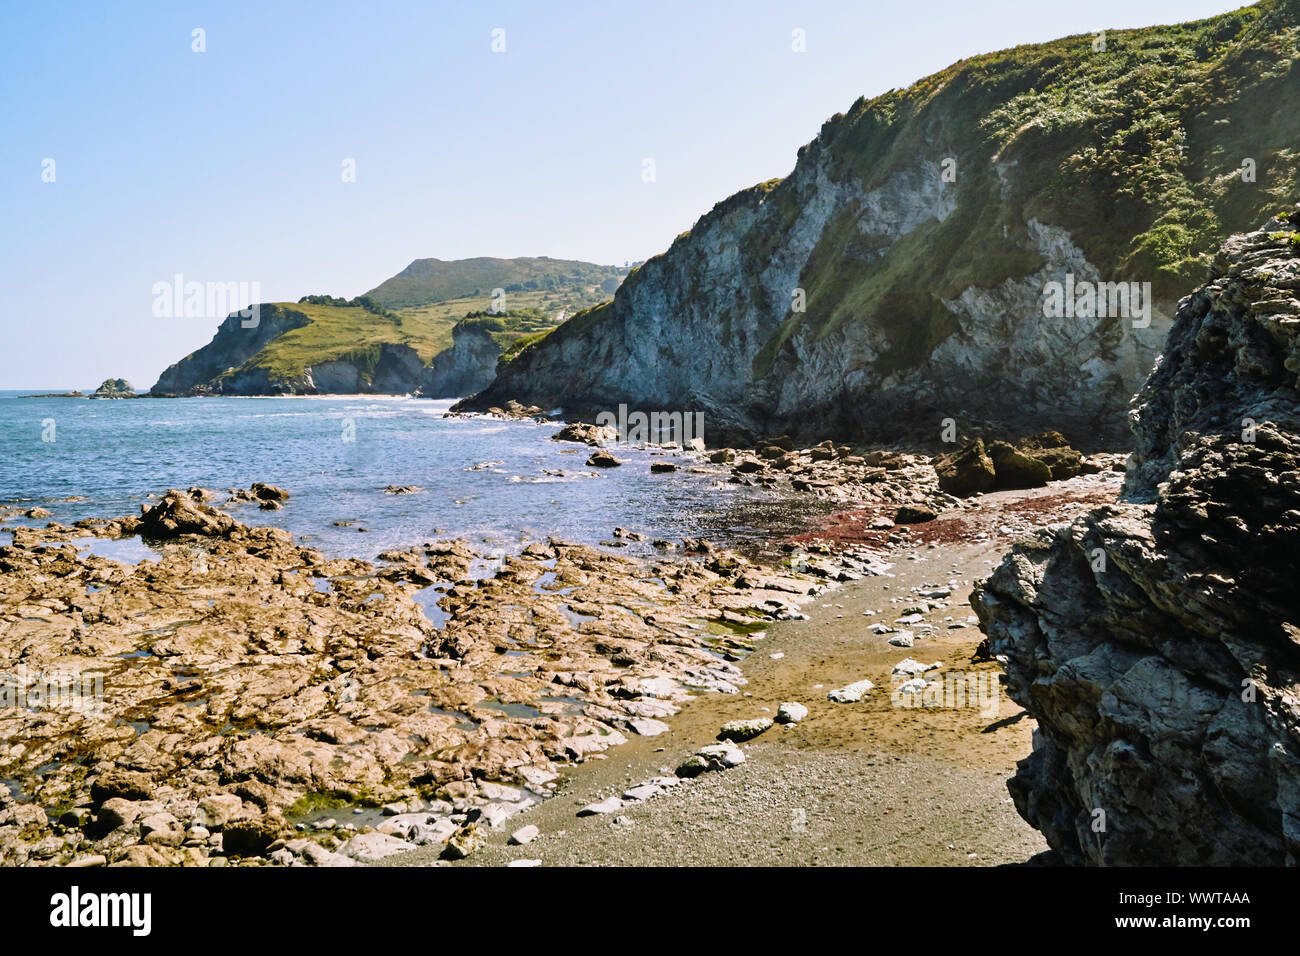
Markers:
point(495, 483)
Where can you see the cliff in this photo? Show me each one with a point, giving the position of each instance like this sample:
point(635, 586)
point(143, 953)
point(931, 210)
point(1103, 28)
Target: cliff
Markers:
point(1157, 641)
point(467, 367)
point(901, 273)
point(322, 344)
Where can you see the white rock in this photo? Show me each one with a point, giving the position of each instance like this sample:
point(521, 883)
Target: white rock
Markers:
point(313, 854)
point(647, 726)
point(902, 639)
point(662, 687)
point(524, 863)
point(642, 791)
point(909, 667)
point(435, 832)
point(609, 805)
point(493, 815)
point(498, 791)
point(850, 694)
point(744, 729)
point(525, 835)
point(373, 846)
point(914, 686)
point(791, 713)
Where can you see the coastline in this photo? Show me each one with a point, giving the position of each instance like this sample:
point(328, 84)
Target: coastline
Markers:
point(264, 690)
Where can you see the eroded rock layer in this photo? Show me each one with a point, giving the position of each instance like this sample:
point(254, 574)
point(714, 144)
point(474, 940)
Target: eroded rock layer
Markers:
point(1157, 641)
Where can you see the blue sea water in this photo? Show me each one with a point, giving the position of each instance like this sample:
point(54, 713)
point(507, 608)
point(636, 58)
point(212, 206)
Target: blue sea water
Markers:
point(495, 483)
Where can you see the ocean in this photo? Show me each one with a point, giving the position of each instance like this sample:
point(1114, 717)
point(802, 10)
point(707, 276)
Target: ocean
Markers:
point(498, 484)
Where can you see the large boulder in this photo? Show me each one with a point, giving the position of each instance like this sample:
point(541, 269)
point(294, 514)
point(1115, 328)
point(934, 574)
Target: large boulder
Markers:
point(586, 434)
point(1014, 469)
point(967, 470)
point(1052, 449)
point(1157, 641)
point(178, 513)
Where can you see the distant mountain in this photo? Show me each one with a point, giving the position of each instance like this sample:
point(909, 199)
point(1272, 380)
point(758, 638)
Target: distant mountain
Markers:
point(444, 342)
point(433, 280)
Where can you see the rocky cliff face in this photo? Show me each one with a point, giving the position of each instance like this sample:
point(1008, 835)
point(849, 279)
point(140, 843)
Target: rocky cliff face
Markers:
point(1157, 641)
point(467, 367)
point(899, 275)
point(232, 346)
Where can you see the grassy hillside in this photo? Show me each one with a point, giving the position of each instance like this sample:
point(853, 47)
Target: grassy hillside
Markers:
point(354, 334)
point(427, 281)
point(435, 320)
point(322, 328)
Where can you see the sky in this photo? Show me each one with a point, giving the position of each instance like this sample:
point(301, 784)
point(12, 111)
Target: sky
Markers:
point(229, 164)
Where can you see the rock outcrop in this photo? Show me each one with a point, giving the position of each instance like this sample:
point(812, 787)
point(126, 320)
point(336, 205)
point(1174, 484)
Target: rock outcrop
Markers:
point(1157, 641)
point(467, 367)
point(199, 705)
point(1030, 463)
point(900, 274)
point(114, 388)
point(178, 513)
point(235, 342)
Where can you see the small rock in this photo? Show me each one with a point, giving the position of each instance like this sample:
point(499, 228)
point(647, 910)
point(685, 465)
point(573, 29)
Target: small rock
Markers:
point(741, 730)
point(791, 713)
point(463, 842)
point(909, 668)
point(524, 835)
point(852, 693)
point(373, 846)
point(609, 805)
point(721, 756)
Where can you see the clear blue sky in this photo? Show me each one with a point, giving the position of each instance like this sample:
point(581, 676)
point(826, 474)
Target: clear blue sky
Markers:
point(225, 165)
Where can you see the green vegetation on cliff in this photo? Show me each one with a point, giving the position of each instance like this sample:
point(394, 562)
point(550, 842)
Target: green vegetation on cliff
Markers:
point(1148, 146)
point(296, 336)
point(1145, 148)
point(339, 334)
point(427, 281)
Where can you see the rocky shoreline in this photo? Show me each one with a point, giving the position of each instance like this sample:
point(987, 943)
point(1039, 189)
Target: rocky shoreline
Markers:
point(248, 680)
point(264, 703)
